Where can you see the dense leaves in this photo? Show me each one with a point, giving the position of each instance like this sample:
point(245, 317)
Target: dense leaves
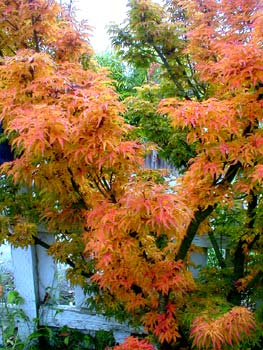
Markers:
point(157, 35)
point(228, 329)
point(127, 233)
point(73, 153)
point(226, 128)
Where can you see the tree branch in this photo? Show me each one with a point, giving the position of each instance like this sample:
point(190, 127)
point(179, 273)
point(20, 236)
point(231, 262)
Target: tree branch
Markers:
point(45, 245)
point(171, 74)
point(234, 296)
point(199, 217)
point(202, 214)
point(215, 245)
point(76, 188)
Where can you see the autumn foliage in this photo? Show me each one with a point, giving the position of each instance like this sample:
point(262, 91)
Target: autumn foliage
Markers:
point(126, 232)
point(227, 329)
point(132, 343)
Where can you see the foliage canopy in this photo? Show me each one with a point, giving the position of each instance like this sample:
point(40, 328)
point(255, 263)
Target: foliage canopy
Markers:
point(127, 233)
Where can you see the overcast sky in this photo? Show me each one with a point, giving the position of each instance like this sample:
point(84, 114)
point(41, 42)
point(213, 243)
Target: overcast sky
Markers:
point(99, 14)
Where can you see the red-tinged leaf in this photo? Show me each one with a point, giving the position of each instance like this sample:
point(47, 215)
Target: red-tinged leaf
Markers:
point(132, 343)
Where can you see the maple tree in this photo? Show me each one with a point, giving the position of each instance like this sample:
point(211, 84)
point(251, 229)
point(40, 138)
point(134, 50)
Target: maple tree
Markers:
point(223, 41)
point(84, 177)
point(124, 230)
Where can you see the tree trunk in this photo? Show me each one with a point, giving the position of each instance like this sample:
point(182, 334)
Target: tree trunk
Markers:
point(235, 296)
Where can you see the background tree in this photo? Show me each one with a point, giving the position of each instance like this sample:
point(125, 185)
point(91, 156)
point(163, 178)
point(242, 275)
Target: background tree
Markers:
point(125, 77)
point(156, 34)
point(154, 37)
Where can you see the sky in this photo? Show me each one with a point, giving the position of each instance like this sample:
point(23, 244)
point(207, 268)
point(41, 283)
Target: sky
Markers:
point(99, 14)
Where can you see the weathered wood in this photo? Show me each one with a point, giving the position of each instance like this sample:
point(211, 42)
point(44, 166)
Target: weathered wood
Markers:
point(35, 275)
point(26, 283)
point(82, 319)
point(153, 161)
point(79, 296)
point(199, 261)
point(46, 270)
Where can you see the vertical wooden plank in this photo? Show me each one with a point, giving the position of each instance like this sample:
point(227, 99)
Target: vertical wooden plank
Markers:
point(25, 280)
point(79, 296)
point(120, 336)
point(5, 266)
point(47, 271)
point(199, 260)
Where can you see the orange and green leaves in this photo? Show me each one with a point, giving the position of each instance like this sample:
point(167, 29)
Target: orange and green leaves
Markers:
point(224, 40)
point(228, 329)
point(225, 127)
point(125, 238)
point(66, 120)
point(41, 25)
point(126, 232)
point(65, 126)
point(74, 151)
point(154, 34)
